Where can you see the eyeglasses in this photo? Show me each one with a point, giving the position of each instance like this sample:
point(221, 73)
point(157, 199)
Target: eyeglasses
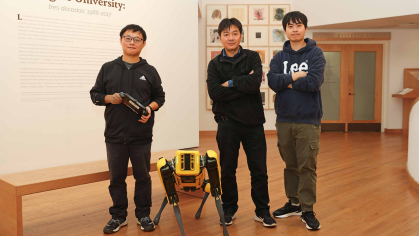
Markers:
point(129, 38)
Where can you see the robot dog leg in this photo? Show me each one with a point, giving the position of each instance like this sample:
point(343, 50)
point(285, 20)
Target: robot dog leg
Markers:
point(213, 186)
point(165, 171)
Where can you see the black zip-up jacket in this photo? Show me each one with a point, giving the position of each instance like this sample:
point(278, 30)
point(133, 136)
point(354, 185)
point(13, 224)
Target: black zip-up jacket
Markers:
point(143, 83)
point(242, 102)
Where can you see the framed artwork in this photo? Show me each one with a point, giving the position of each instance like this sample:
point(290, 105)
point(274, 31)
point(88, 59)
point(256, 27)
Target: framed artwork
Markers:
point(264, 83)
point(263, 53)
point(239, 12)
point(243, 43)
point(216, 13)
point(272, 96)
point(258, 36)
point(273, 51)
point(277, 36)
point(277, 13)
point(213, 39)
point(264, 93)
point(213, 52)
point(258, 14)
point(209, 101)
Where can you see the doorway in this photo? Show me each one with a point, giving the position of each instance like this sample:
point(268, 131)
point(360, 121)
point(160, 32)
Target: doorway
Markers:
point(352, 87)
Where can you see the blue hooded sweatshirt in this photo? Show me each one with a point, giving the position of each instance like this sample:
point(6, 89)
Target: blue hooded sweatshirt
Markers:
point(302, 103)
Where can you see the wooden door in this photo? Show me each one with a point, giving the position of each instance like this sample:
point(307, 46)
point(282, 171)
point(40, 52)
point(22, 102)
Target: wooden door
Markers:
point(350, 68)
point(365, 87)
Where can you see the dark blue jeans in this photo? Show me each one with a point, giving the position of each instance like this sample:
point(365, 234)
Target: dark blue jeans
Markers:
point(229, 136)
point(118, 157)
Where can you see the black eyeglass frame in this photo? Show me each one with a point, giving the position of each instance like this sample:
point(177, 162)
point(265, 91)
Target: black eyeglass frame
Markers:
point(132, 39)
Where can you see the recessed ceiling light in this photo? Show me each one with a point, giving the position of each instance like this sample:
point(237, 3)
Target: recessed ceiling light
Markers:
point(408, 24)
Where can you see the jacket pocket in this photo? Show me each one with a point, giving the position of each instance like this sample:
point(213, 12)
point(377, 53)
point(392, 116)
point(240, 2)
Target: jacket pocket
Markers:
point(296, 103)
point(314, 149)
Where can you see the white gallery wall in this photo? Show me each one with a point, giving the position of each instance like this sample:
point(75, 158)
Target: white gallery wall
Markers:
point(399, 53)
point(324, 12)
point(51, 52)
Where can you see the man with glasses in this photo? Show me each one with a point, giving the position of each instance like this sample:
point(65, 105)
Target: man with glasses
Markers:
point(128, 135)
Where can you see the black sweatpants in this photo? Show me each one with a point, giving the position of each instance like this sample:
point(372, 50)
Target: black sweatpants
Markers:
point(229, 136)
point(118, 156)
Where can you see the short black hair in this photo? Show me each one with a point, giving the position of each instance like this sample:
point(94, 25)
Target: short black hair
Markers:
point(295, 17)
point(134, 28)
point(226, 23)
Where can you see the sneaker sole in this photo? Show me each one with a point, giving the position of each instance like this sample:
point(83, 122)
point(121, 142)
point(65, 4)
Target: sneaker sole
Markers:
point(146, 230)
point(308, 227)
point(289, 214)
point(261, 221)
point(230, 223)
point(119, 227)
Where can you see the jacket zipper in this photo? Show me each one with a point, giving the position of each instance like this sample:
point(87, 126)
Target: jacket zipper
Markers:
point(126, 116)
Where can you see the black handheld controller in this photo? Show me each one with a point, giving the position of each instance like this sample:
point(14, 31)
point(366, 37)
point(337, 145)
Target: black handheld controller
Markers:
point(133, 104)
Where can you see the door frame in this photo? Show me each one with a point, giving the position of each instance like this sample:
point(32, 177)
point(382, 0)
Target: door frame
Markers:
point(378, 49)
point(380, 100)
point(343, 97)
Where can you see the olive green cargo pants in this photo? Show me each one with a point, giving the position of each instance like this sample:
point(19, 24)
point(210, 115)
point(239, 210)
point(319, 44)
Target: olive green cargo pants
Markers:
point(299, 145)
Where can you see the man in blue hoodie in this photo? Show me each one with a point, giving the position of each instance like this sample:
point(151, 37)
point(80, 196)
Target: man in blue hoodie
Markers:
point(296, 75)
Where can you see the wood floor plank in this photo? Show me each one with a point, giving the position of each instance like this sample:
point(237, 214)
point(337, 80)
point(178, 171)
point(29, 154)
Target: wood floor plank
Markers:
point(362, 189)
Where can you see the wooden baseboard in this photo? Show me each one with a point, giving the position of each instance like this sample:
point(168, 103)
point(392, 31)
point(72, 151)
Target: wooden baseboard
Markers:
point(214, 132)
point(208, 132)
point(270, 132)
point(393, 131)
point(413, 183)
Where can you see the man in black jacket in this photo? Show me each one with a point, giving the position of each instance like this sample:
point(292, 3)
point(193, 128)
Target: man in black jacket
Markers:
point(234, 79)
point(128, 135)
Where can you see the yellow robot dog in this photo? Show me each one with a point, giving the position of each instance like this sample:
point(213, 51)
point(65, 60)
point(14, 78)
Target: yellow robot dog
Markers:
point(187, 171)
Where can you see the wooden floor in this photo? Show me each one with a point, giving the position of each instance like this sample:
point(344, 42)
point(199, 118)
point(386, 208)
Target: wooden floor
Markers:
point(362, 189)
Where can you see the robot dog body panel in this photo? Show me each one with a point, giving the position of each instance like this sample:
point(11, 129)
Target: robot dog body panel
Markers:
point(188, 172)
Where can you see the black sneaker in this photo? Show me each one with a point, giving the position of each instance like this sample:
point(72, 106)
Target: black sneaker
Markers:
point(309, 218)
point(228, 218)
point(266, 220)
point(146, 224)
point(287, 210)
point(114, 225)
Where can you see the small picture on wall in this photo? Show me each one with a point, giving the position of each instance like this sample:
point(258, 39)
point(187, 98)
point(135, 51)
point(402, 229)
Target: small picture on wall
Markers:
point(277, 36)
point(277, 13)
point(258, 36)
point(212, 52)
point(215, 13)
point(213, 39)
point(258, 14)
point(264, 83)
point(273, 51)
point(264, 94)
point(263, 53)
point(272, 96)
point(239, 12)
